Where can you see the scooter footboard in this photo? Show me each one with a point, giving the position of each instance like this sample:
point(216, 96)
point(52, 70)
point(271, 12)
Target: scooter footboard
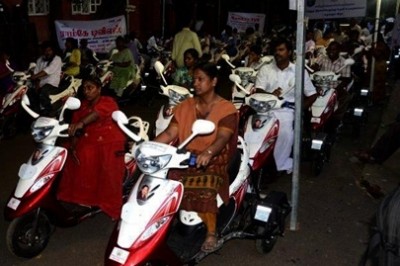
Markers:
point(185, 240)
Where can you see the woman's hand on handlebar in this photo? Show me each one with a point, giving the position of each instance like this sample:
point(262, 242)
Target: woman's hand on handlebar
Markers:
point(203, 159)
point(73, 128)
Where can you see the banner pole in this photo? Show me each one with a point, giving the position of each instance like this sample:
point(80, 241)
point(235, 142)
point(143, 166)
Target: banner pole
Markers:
point(299, 77)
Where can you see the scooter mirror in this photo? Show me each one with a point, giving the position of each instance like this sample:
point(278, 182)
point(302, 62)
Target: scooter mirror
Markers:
point(32, 65)
point(159, 67)
point(72, 103)
point(199, 127)
point(349, 61)
point(25, 99)
point(235, 78)
point(202, 127)
point(25, 104)
point(119, 116)
point(225, 57)
point(266, 59)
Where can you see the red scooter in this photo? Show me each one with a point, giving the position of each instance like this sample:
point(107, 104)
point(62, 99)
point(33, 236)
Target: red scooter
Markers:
point(33, 207)
point(152, 229)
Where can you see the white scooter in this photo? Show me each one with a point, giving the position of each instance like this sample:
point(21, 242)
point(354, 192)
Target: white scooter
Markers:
point(10, 102)
point(176, 94)
point(148, 232)
point(321, 111)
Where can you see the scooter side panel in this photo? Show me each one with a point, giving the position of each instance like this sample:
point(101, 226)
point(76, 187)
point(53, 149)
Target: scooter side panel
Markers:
point(260, 136)
point(34, 187)
point(163, 199)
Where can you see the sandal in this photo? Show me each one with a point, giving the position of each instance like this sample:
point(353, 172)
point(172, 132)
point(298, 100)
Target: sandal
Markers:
point(210, 244)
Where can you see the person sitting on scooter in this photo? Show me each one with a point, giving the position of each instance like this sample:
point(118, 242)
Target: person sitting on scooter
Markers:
point(46, 78)
point(333, 62)
point(253, 59)
point(123, 67)
point(6, 83)
point(72, 57)
point(213, 151)
point(184, 75)
point(278, 78)
point(94, 170)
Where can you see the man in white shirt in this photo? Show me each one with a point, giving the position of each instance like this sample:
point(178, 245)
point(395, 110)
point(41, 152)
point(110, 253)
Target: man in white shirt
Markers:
point(47, 74)
point(278, 78)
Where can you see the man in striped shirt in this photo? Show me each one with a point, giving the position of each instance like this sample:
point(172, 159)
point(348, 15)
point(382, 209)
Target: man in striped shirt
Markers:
point(334, 62)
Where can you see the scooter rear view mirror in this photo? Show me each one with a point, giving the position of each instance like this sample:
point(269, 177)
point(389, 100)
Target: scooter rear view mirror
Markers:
point(235, 78)
point(72, 103)
point(25, 104)
point(226, 58)
point(159, 67)
point(202, 127)
point(199, 127)
point(122, 121)
point(25, 99)
point(349, 61)
point(119, 116)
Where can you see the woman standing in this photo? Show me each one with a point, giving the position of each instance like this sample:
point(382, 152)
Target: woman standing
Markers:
point(72, 57)
point(124, 67)
point(94, 171)
point(213, 151)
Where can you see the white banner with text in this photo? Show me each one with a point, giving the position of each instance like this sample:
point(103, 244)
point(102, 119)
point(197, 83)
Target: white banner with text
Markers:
point(101, 34)
point(241, 21)
point(328, 9)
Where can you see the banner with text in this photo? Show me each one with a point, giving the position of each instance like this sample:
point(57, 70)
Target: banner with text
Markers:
point(101, 34)
point(327, 9)
point(241, 21)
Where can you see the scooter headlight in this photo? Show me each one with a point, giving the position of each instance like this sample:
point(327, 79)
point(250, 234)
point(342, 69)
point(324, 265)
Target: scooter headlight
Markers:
point(152, 229)
point(39, 133)
point(40, 183)
point(151, 164)
point(177, 97)
point(323, 79)
point(262, 106)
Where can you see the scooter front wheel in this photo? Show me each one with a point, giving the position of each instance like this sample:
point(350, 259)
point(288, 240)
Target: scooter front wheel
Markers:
point(28, 235)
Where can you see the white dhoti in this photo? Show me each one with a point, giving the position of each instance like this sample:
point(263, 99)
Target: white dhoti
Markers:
point(284, 142)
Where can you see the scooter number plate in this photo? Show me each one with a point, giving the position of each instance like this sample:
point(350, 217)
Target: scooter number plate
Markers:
point(13, 203)
point(262, 213)
point(119, 255)
point(316, 120)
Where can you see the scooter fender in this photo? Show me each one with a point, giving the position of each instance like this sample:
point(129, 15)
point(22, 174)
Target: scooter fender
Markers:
point(260, 135)
point(142, 218)
point(36, 180)
point(323, 107)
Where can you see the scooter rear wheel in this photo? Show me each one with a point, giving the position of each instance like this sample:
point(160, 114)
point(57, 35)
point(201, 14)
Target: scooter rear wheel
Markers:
point(24, 240)
point(265, 245)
